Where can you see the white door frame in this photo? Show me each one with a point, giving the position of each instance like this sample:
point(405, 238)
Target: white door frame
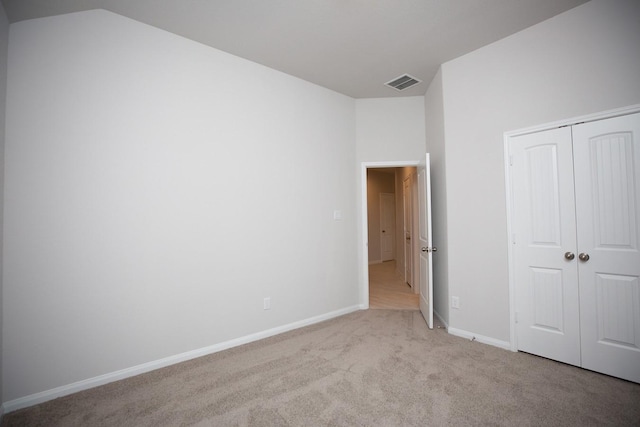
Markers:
point(507, 173)
point(364, 267)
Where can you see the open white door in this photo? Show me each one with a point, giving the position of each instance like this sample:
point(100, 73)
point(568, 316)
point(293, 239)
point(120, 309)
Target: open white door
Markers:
point(426, 244)
point(408, 230)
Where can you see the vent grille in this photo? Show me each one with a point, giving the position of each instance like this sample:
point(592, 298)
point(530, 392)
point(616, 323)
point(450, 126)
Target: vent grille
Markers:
point(403, 82)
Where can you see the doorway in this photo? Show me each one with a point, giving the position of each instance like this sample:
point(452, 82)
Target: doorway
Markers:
point(389, 236)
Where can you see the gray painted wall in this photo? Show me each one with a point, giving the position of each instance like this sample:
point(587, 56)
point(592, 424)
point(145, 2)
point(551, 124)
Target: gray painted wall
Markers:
point(152, 201)
point(434, 118)
point(4, 44)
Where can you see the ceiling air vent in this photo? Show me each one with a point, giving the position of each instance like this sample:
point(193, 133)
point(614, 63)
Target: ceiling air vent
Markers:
point(403, 82)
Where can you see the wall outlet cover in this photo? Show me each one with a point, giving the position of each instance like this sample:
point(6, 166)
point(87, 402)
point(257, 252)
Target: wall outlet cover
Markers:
point(455, 302)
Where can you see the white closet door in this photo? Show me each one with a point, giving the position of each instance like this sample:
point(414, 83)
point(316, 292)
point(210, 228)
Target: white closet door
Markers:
point(547, 301)
point(607, 179)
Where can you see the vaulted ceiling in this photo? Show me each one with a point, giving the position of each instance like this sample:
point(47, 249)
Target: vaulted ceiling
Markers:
point(350, 46)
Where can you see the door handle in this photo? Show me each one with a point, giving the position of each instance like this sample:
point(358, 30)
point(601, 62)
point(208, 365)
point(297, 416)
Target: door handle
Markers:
point(434, 249)
point(583, 257)
point(569, 255)
point(424, 249)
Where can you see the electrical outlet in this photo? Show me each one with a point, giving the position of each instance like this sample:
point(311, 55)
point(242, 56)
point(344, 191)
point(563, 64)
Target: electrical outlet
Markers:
point(267, 303)
point(455, 302)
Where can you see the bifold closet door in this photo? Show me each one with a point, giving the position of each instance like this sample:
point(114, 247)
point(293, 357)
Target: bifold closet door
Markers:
point(544, 242)
point(607, 187)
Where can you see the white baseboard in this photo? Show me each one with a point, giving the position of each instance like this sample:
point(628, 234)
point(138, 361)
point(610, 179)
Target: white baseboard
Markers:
point(480, 338)
point(54, 393)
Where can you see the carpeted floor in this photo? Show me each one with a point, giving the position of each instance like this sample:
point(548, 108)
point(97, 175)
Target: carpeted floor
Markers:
point(369, 368)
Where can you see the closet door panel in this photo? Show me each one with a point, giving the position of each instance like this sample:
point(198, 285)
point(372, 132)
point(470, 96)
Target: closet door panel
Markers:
point(546, 293)
point(607, 186)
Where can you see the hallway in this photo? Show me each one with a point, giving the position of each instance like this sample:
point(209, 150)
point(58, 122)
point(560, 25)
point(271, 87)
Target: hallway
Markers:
point(388, 290)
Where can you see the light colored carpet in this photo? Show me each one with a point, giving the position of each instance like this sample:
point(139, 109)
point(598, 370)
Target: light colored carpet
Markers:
point(368, 368)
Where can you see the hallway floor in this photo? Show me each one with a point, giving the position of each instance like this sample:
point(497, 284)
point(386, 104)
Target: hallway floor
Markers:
point(388, 290)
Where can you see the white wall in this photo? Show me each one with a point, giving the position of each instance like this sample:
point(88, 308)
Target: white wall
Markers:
point(583, 61)
point(156, 191)
point(387, 130)
point(4, 43)
point(434, 121)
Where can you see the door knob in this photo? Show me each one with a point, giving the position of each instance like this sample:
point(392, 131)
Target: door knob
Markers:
point(424, 249)
point(583, 257)
point(569, 255)
point(434, 249)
